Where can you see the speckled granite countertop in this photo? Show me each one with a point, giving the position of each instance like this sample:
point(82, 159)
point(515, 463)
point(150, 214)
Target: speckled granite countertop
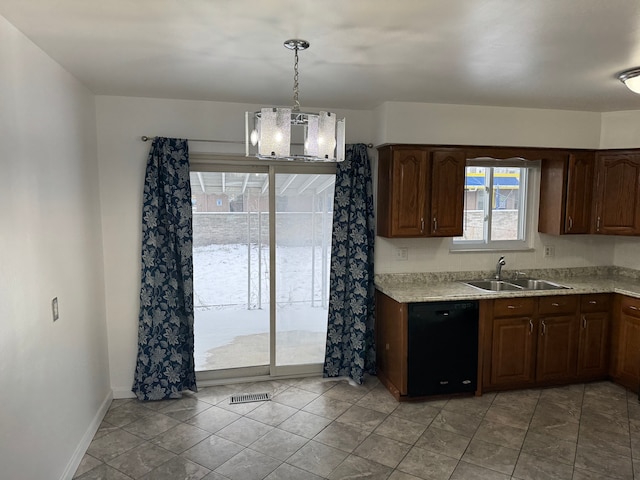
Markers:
point(443, 286)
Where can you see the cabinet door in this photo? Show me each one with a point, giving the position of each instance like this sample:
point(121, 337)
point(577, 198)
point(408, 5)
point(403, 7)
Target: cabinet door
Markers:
point(408, 198)
point(512, 352)
point(447, 193)
point(579, 192)
point(557, 348)
point(618, 194)
point(391, 343)
point(627, 369)
point(593, 351)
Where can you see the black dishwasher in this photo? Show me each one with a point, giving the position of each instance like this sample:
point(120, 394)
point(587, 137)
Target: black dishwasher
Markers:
point(442, 348)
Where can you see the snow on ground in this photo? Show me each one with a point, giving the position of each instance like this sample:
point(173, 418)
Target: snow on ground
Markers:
point(232, 319)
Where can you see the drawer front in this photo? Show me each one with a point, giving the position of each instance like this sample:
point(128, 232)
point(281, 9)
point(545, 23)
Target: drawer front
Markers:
point(558, 304)
point(513, 307)
point(630, 306)
point(600, 302)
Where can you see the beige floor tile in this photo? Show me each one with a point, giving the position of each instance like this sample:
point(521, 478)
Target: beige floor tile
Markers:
point(279, 444)
point(341, 436)
point(329, 429)
point(443, 442)
point(382, 450)
point(493, 457)
point(317, 458)
point(248, 465)
point(425, 464)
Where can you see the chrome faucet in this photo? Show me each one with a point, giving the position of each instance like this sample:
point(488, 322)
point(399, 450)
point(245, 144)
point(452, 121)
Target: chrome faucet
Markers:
point(501, 263)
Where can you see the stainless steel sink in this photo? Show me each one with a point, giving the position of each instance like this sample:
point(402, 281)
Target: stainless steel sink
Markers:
point(514, 285)
point(493, 285)
point(533, 284)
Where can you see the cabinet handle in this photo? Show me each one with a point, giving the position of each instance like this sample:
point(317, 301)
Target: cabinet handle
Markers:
point(544, 328)
point(598, 224)
point(584, 321)
point(570, 222)
point(511, 307)
point(632, 307)
point(530, 326)
point(592, 302)
point(555, 304)
point(435, 224)
point(422, 225)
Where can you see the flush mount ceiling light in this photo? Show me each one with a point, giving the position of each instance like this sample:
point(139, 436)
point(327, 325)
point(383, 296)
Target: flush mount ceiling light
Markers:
point(289, 134)
point(631, 78)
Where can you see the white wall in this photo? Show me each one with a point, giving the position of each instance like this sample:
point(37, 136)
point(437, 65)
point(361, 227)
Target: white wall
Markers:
point(398, 122)
point(54, 376)
point(620, 130)
point(473, 125)
point(122, 157)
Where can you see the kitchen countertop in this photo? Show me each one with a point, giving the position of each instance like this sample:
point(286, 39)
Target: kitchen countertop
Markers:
point(410, 288)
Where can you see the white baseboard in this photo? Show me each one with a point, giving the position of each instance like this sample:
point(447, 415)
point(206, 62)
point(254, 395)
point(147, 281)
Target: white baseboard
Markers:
point(73, 464)
point(123, 392)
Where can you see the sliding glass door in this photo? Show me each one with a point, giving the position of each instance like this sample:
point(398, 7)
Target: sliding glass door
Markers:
point(261, 245)
point(231, 269)
point(304, 204)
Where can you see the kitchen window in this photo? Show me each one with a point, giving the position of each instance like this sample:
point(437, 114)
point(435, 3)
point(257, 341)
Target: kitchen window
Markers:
point(495, 205)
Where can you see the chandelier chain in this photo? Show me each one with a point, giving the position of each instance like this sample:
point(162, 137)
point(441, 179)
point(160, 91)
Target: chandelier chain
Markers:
point(296, 103)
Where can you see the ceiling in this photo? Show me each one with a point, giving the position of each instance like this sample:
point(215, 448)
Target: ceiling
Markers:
point(561, 54)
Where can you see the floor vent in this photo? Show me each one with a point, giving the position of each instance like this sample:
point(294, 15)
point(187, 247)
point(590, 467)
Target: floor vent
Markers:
point(250, 397)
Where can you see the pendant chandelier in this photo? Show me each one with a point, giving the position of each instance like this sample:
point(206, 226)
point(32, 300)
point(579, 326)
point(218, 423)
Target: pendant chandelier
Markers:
point(289, 134)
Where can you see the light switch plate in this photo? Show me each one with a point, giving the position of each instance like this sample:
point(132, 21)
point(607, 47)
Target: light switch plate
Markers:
point(54, 309)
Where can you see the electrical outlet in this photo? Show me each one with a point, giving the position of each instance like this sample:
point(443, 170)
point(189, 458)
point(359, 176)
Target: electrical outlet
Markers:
point(549, 251)
point(402, 253)
point(54, 309)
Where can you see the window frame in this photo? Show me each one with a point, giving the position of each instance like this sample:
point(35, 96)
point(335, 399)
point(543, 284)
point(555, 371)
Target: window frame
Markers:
point(526, 200)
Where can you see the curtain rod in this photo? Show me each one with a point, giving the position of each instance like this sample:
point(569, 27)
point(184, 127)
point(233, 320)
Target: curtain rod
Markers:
point(145, 138)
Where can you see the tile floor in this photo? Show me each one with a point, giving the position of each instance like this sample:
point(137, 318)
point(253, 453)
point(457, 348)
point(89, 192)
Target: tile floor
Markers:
point(316, 429)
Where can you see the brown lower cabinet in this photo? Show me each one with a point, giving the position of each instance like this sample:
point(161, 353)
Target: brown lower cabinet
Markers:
point(625, 354)
point(531, 341)
point(544, 341)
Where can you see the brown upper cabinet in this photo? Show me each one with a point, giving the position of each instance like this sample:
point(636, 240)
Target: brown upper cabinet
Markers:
point(420, 191)
point(617, 202)
point(566, 185)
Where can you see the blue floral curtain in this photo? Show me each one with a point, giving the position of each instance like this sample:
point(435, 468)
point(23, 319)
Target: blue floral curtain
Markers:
point(350, 348)
point(165, 365)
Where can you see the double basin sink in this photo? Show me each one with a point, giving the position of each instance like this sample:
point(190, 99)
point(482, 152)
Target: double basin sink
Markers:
point(514, 285)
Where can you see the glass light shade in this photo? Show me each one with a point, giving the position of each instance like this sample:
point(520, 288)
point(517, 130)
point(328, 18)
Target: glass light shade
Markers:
point(274, 132)
point(326, 135)
point(340, 139)
point(271, 133)
point(631, 78)
point(633, 84)
point(311, 137)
